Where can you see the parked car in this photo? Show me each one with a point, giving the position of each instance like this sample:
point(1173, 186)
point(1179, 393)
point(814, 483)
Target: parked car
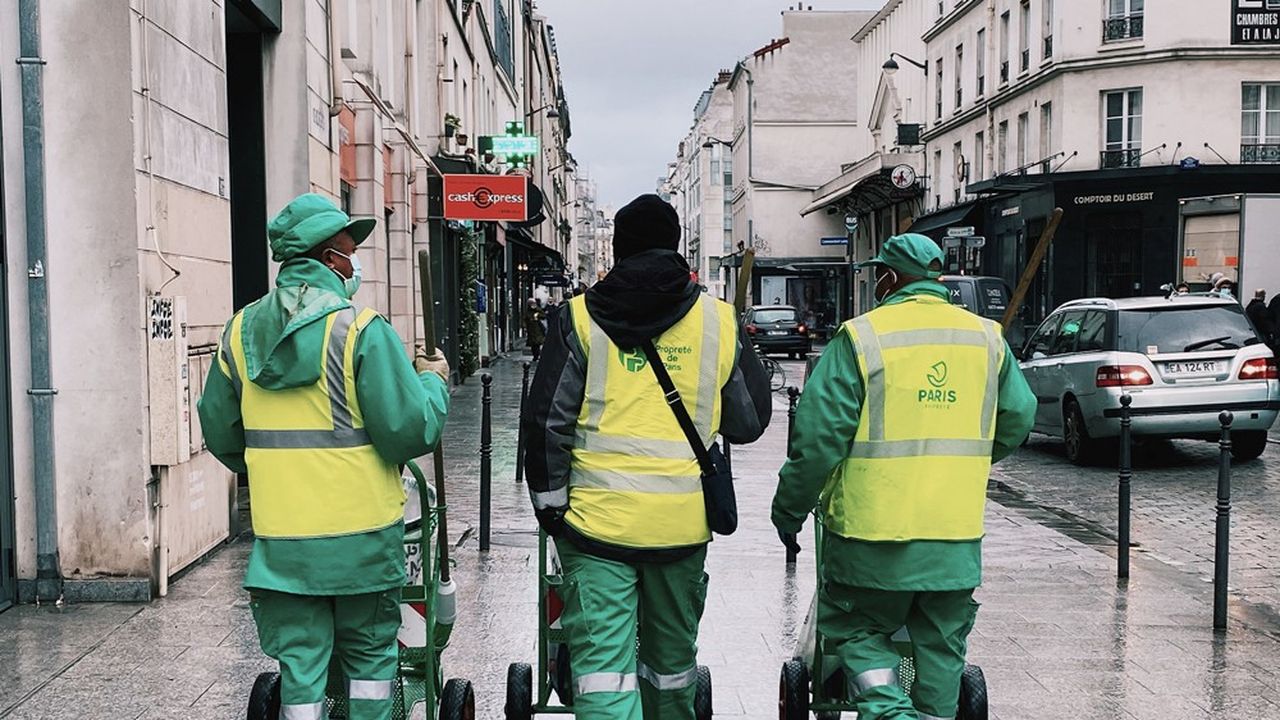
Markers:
point(1183, 359)
point(985, 296)
point(778, 329)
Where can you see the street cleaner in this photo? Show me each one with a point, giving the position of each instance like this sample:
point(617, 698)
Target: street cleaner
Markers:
point(615, 480)
point(316, 399)
point(895, 436)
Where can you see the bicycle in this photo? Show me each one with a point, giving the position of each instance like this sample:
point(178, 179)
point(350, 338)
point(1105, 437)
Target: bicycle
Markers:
point(777, 376)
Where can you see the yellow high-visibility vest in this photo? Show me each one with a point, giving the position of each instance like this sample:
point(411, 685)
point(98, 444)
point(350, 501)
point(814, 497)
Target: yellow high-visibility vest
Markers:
point(313, 471)
point(634, 480)
point(918, 466)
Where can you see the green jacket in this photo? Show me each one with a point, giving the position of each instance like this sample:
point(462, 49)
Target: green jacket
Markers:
point(404, 413)
point(826, 422)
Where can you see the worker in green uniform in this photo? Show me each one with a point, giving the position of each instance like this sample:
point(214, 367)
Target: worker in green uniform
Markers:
point(316, 399)
point(894, 438)
point(614, 479)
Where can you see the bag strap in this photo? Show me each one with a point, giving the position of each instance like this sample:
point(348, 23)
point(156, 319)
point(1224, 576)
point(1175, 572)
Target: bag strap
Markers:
point(677, 408)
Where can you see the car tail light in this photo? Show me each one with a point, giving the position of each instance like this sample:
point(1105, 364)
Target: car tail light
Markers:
point(1260, 369)
point(1122, 376)
point(802, 329)
point(751, 329)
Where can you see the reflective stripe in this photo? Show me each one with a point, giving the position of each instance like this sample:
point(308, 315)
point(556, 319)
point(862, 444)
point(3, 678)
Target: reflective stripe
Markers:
point(611, 480)
point(709, 370)
point(597, 374)
point(335, 377)
point(229, 357)
point(674, 681)
point(863, 682)
point(995, 352)
point(868, 346)
point(927, 716)
point(369, 689)
point(306, 439)
point(605, 682)
point(644, 447)
point(933, 336)
point(921, 448)
point(550, 499)
point(309, 711)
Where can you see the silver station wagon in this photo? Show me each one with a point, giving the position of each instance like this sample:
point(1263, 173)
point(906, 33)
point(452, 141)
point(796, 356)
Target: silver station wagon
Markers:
point(1183, 359)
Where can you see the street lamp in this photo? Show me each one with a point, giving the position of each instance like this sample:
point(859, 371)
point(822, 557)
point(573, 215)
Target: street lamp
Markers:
point(891, 65)
point(711, 142)
point(552, 115)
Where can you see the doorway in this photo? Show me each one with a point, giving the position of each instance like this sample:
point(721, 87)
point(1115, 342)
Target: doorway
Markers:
point(1114, 242)
point(247, 141)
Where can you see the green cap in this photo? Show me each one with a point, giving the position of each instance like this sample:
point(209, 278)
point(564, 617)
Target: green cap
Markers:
point(910, 254)
point(309, 220)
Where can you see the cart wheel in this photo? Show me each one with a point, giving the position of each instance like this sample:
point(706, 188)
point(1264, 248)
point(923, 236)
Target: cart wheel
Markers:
point(264, 699)
point(702, 696)
point(793, 691)
point(973, 694)
point(519, 692)
point(458, 701)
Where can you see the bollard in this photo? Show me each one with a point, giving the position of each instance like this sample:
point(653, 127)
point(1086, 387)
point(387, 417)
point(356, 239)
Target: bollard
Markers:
point(486, 455)
point(1221, 550)
point(793, 394)
point(524, 393)
point(1126, 475)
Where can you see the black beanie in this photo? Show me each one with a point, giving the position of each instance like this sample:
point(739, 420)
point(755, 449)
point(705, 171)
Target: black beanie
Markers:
point(646, 223)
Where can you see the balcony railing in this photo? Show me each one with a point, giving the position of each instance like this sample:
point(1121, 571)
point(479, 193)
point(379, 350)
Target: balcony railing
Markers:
point(1121, 28)
point(1048, 47)
point(1128, 158)
point(1004, 72)
point(1260, 153)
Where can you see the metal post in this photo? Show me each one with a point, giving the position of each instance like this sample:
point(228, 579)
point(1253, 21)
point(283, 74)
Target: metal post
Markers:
point(1126, 475)
point(486, 453)
point(1222, 550)
point(524, 394)
point(793, 394)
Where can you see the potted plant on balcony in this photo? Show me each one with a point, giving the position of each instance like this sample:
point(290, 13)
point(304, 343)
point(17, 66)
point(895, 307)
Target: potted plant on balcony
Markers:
point(451, 124)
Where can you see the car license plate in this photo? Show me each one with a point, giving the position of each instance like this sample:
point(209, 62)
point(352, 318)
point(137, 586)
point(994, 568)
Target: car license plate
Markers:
point(1194, 368)
point(777, 332)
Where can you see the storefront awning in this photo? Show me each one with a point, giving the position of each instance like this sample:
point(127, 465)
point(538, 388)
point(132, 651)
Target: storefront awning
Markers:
point(523, 239)
point(941, 220)
point(863, 188)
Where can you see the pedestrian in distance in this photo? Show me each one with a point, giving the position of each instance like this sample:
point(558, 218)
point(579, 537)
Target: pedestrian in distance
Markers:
point(1182, 289)
point(1260, 316)
point(615, 479)
point(316, 400)
point(895, 435)
point(535, 331)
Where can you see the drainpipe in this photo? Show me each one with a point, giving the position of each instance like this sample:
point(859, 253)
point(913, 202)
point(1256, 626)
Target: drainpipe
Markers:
point(48, 573)
point(751, 149)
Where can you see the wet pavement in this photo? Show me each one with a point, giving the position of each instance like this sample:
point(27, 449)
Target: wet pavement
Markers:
point(1057, 636)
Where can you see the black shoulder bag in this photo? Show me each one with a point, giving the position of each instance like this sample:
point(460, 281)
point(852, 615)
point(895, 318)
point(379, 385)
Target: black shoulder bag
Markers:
point(717, 482)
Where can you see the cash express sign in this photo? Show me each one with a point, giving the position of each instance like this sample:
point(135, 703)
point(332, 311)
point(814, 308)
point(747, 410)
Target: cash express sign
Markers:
point(486, 197)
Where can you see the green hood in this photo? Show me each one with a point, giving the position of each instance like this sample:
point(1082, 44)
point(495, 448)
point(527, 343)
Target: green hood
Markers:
point(283, 333)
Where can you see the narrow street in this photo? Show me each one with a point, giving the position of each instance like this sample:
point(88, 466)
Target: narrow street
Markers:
point(1056, 636)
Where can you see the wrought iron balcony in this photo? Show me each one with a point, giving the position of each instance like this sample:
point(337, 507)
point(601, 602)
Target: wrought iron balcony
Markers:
point(1128, 158)
point(1121, 28)
point(1260, 153)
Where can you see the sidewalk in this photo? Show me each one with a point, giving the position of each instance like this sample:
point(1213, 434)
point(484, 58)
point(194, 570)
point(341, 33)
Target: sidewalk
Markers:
point(1056, 637)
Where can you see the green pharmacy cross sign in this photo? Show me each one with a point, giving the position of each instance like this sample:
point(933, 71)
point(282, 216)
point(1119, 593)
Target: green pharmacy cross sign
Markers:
point(515, 148)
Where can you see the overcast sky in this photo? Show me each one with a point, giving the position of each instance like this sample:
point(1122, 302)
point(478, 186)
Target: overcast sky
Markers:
point(633, 70)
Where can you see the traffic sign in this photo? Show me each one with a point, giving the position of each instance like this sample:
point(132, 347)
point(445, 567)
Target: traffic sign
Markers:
point(835, 240)
point(961, 231)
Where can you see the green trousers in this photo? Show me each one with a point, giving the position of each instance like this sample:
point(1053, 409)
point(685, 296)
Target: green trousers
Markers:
point(606, 603)
point(305, 632)
point(859, 622)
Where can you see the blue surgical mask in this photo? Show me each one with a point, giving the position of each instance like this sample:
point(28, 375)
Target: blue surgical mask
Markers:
point(351, 284)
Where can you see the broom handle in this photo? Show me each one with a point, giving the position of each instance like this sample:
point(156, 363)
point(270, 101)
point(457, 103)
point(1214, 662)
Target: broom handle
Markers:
point(437, 457)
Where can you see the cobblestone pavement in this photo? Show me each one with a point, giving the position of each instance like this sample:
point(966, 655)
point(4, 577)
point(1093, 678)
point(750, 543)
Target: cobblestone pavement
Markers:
point(1057, 637)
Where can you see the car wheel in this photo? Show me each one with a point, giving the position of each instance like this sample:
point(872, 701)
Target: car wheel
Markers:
point(1248, 445)
point(1081, 449)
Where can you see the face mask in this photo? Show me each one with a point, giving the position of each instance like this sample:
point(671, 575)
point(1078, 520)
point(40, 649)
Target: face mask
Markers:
point(351, 284)
point(876, 289)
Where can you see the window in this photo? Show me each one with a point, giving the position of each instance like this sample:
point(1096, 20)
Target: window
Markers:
point(1122, 126)
point(1172, 330)
point(979, 157)
point(1002, 148)
point(942, 10)
point(1093, 332)
point(959, 76)
point(1047, 21)
point(1024, 129)
point(957, 160)
point(981, 61)
point(716, 153)
point(1260, 123)
point(938, 94)
point(1046, 135)
point(937, 178)
point(1024, 37)
point(1042, 340)
point(1068, 333)
point(727, 165)
point(1123, 21)
point(1004, 48)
